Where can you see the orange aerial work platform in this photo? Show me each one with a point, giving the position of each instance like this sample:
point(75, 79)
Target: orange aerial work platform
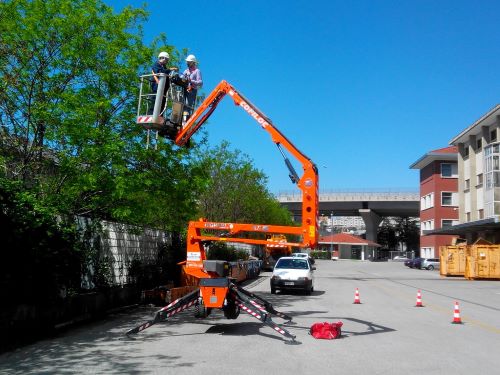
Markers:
point(216, 290)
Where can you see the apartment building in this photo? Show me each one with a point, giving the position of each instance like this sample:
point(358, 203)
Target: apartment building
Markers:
point(479, 179)
point(439, 199)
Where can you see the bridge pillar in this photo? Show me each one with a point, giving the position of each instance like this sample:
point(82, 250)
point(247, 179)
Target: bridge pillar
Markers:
point(372, 221)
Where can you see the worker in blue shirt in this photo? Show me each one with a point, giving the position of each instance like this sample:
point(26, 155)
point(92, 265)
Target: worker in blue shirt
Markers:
point(160, 66)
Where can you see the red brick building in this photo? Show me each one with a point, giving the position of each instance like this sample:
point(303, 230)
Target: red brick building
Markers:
point(438, 197)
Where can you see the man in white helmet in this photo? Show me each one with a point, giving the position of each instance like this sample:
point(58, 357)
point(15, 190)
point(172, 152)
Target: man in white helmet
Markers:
point(193, 74)
point(160, 66)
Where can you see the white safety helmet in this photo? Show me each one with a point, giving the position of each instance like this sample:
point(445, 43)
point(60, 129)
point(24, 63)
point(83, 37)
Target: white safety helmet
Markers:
point(191, 58)
point(164, 54)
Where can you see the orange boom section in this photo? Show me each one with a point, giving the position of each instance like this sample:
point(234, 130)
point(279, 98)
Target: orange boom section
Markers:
point(308, 184)
point(214, 288)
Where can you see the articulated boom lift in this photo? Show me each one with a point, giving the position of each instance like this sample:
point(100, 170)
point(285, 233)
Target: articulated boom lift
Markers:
point(216, 290)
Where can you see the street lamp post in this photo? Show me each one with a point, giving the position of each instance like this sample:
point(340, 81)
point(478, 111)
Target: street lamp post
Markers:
point(331, 235)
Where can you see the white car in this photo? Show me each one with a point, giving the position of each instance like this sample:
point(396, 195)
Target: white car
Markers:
point(303, 256)
point(400, 258)
point(293, 273)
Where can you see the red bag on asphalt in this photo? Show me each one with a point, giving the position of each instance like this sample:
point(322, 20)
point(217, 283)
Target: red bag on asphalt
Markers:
point(327, 331)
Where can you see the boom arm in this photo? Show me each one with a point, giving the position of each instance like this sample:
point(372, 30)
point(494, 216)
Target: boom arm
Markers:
point(307, 183)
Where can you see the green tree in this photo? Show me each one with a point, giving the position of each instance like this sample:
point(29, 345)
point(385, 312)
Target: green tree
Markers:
point(41, 261)
point(399, 230)
point(408, 232)
point(237, 191)
point(386, 235)
point(68, 93)
point(221, 251)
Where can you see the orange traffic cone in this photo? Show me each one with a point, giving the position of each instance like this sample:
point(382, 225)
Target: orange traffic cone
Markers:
point(419, 300)
point(356, 297)
point(456, 315)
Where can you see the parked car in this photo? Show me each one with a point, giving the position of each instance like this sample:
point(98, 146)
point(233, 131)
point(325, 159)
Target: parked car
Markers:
point(293, 273)
point(417, 263)
point(430, 263)
point(414, 263)
point(400, 258)
point(303, 256)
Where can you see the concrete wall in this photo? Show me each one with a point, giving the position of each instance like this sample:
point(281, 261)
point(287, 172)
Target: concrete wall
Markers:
point(28, 322)
point(120, 244)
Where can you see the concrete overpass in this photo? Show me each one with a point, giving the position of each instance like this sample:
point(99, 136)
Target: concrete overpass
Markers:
point(371, 206)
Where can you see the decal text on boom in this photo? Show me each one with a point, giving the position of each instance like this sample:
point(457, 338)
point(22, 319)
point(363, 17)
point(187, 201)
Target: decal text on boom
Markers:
point(254, 114)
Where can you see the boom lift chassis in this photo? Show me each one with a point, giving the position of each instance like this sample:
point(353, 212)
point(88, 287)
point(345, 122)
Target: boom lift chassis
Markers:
point(236, 300)
point(215, 290)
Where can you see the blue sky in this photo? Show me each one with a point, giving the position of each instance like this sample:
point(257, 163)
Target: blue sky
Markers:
point(363, 88)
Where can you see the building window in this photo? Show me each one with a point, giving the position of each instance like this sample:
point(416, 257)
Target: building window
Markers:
point(426, 225)
point(448, 223)
point(467, 216)
point(480, 214)
point(427, 201)
point(493, 135)
point(480, 179)
point(427, 252)
point(479, 144)
point(448, 198)
point(466, 151)
point(449, 170)
point(467, 184)
point(491, 184)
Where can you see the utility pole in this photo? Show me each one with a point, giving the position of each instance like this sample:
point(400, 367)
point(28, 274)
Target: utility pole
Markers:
point(331, 234)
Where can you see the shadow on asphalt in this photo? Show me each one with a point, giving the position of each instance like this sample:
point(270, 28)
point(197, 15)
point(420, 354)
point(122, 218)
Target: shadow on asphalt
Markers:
point(244, 329)
point(368, 327)
point(103, 346)
point(88, 347)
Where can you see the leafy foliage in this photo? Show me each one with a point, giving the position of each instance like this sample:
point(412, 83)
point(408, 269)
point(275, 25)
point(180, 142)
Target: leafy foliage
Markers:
point(68, 71)
point(221, 251)
point(400, 230)
point(386, 235)
point(237, 191)
point(69, 144)
point(321, 254)
point(408, 232)
point(41, 258)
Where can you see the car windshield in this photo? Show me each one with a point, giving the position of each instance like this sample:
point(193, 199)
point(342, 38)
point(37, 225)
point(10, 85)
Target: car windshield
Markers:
point(297, 264)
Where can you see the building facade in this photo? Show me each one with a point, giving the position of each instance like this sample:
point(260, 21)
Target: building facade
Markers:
point(479, 178)
point(439, 199)
point(478, 172)
point(349, 246)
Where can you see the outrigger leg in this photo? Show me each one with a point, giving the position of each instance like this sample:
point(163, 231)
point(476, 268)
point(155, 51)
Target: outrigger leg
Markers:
point(245, 300)
point(261, 303)
point(180, 304)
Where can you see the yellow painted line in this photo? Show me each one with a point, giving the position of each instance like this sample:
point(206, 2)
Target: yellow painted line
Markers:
point(440, 309)
point(482, 325)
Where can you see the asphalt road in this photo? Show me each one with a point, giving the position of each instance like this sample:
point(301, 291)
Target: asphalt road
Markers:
point(385, 334)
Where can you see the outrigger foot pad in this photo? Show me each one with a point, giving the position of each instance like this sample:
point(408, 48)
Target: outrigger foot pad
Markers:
point(259, 308)
point(171, 309)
